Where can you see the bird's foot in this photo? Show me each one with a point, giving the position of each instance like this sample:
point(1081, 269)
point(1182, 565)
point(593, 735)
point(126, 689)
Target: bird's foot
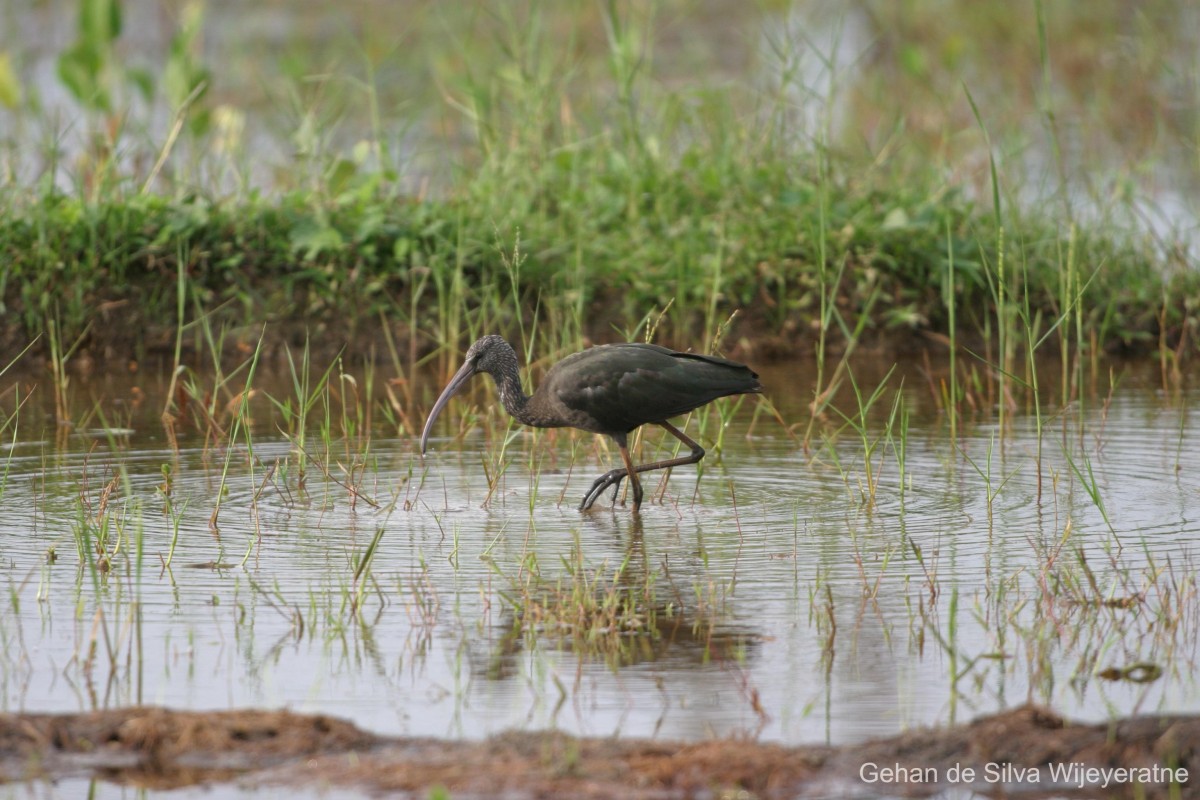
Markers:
point(612, 478)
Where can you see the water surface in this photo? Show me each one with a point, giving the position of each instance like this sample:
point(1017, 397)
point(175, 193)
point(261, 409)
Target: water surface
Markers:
point(778, 598)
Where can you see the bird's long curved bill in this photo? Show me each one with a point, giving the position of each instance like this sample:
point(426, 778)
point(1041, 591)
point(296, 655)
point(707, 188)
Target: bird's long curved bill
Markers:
point(452, 388)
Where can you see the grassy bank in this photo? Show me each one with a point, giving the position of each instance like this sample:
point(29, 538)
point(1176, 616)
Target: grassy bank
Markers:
point(586, 241)
point(580, 219)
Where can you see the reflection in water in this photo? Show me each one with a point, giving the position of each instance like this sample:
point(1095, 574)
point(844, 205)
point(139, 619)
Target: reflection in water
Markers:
point(773, 593)
point(624, 615)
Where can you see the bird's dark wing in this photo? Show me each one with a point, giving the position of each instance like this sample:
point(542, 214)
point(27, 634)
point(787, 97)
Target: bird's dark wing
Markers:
point(616, 388)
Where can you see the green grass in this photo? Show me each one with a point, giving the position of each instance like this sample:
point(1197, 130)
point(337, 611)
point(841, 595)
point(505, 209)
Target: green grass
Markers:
point(248, 264)
point(562, 225)
point(638, 210)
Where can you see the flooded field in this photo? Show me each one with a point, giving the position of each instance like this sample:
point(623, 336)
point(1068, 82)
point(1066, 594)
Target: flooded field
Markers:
point(251, 537)
point(886, 576)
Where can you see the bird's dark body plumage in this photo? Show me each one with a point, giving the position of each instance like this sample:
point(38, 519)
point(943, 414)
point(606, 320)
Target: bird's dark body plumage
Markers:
point(610, 389)
point(616, 388)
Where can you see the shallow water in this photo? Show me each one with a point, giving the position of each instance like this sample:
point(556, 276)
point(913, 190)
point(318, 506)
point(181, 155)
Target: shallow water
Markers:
point(788, 605)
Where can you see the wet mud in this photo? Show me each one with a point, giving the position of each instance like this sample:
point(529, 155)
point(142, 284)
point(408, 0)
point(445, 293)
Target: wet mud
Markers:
point(1026, 752)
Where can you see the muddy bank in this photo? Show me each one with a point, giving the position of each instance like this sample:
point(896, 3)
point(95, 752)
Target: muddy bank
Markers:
point(1028, 751)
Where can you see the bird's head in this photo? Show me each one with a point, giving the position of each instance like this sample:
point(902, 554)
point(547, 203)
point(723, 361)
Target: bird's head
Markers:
point(489, 354)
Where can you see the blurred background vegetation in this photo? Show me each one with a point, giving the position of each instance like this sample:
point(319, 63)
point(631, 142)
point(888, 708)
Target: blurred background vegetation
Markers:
point(442, 168)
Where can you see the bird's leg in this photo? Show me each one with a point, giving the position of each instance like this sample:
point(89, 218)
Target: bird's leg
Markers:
point(613, 477)
point(617, 485)
point(696, 454)
point(633, 478)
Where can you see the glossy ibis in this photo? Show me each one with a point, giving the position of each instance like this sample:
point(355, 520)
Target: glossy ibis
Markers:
point(610, 389)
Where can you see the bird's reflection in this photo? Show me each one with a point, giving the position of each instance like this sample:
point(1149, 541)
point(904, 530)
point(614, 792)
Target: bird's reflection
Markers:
point(622, 614)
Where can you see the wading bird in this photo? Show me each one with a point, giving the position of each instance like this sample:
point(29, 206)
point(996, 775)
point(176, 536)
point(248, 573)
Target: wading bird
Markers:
point(610, 389)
